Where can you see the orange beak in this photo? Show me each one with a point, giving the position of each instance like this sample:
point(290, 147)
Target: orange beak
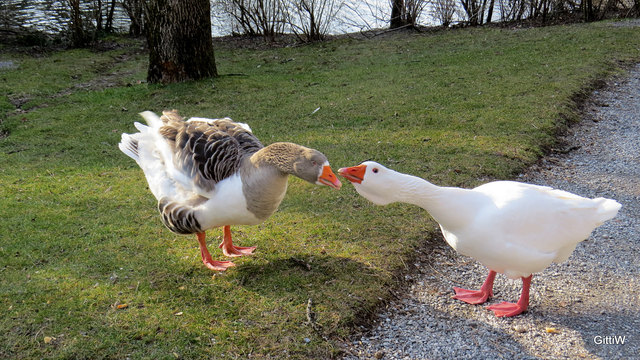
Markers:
point(355, 174)
point(329, 178)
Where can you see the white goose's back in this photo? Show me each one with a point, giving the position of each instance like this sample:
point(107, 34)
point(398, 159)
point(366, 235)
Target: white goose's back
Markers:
point(519, 229)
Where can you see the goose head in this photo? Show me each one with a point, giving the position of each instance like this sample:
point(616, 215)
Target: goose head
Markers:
point(313, 166)
point(293, 159)
point(373, 181)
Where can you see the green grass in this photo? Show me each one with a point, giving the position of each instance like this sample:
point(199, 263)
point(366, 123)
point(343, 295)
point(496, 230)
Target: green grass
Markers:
point(79, 232)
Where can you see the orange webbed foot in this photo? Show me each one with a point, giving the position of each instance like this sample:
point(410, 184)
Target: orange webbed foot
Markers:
point(235, 251)
point(506, 309)
point(471, 296)
point(218, 265)
point(206, 257)
point(228, 249)
point(476, 296)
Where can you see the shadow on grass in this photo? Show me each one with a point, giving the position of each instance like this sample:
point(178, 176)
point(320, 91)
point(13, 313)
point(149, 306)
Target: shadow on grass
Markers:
point(302, 273)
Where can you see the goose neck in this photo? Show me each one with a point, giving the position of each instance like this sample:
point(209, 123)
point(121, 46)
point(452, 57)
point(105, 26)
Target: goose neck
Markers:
point(417, 191)
point(281, 156)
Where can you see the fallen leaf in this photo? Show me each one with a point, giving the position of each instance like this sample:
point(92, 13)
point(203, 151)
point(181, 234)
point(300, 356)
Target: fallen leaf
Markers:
point(122, 306)
point(552, 330)
point(179, 313)
point(49, 339)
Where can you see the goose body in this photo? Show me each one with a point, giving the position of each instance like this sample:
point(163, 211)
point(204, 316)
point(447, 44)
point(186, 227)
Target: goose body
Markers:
point(510, 227)
point(208, 173)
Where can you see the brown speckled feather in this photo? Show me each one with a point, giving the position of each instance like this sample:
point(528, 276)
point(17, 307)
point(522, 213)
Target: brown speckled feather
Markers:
point(207, 151)
point(180, 218)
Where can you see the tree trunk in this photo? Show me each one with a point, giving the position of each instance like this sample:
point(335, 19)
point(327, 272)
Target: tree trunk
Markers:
point(135, 11)
point(78, 36)
point(98, 15)
point(397, 10)
point(180, 41)
point(490, 11)
point(471, 8)
point(587, 10)
point(111, 10)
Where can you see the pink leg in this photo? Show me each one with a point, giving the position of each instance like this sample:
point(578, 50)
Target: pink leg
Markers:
point(206, 257)
point(228, 249)
point(511, 309)
point(476, 296)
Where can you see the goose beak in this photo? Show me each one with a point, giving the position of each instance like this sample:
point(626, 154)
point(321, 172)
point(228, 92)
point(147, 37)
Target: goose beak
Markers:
point(329, 178)
point(355, 174)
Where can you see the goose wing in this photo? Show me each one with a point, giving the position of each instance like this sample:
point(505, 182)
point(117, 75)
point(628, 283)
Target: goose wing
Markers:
point(205, 151)
point(542, 218)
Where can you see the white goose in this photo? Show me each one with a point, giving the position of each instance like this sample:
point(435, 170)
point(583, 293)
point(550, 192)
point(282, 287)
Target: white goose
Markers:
point(208, 173)
point(510, 227)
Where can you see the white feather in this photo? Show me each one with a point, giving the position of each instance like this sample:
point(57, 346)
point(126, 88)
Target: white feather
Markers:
point(128, 145)
point(152, 119)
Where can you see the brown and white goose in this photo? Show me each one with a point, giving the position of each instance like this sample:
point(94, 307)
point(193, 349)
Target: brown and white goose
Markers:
point(209, 173)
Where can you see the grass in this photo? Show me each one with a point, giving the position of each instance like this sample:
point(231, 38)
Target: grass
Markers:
point(80, 234)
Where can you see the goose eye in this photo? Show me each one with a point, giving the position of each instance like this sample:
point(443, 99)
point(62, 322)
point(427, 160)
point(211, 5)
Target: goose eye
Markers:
point(314, 163)
point(375, 170)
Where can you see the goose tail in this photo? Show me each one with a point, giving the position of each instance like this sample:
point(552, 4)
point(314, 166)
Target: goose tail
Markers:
point(152, 119)
point(143, 148)
point(129, 145)
point(607, 209)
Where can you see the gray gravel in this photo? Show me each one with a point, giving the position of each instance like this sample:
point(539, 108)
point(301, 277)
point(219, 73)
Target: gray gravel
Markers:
point(577, 307)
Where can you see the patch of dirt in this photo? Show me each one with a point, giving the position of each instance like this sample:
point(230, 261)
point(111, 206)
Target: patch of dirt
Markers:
point(106, 78)
point(19, 100)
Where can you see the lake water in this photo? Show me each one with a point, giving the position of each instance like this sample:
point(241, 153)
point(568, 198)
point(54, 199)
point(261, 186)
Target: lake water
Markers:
point(353, 16)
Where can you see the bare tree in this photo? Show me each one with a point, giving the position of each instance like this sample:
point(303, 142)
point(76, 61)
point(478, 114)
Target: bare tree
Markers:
point(413, 9)
point(78, 36)
point(473, 11)
point(490, 11)
point(135, 11)
point(364, 15)
point(511, 10)
point(255, 17)
point(588, 12)
point(103, 12)
point(397, 12)
point(111, 9)
point(180, 40)
point(311, 19)
point(443, 11)
point(406, 12)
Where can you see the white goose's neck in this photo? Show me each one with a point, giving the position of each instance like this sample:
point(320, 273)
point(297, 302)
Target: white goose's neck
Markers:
point(414, 190)
point(449, 206)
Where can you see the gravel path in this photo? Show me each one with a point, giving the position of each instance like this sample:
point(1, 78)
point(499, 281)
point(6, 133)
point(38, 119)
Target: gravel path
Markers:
point(577, 308)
